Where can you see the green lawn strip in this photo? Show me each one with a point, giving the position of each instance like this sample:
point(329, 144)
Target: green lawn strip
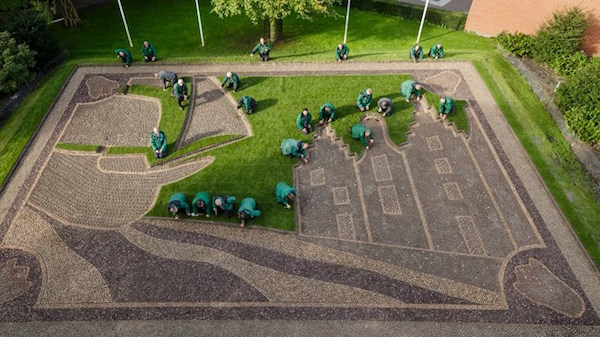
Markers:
point(78, 147)
point(253, 166)
point(371, 36)
point(459, 119)
point(398, 123)
point(573, 190)
point(172, 119)
point(17, 129)
point(195, 146)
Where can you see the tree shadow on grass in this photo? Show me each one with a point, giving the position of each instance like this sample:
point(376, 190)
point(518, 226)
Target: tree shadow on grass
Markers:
point(264, 104)
point(358, 56)
point(247, 82)
point(294, 55)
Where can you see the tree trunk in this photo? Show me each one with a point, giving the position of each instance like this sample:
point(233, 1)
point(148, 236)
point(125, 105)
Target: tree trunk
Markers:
point(276, 30)
point(69, 13)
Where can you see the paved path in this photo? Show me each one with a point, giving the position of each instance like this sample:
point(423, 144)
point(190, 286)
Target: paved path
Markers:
point(447, 228)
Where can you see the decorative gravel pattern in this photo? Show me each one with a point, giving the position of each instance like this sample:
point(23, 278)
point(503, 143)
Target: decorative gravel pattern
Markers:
point(116, 121)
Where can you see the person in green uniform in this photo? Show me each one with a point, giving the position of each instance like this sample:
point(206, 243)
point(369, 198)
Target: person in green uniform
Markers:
point(446, 107)
point(149, 51)
point(124, 55)
point(416, 53)
point(295, 148)
point(201, 204)
point(437, 51)
point(326, 113)
point(263, 48)
point(341, 52)
point(304, 121)
point(285, 194)
point(363, 133)
point(223, 204)
point(180, 92)
point(364, 100)
point(248, 103)
point(231, 80)
point(248, 210)
point(158, 141)
point(177, 203)
point(409, 88)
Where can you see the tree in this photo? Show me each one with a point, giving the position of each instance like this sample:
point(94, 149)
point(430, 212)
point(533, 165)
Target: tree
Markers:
point(273, 11)
point(16, 62)
point(69, 13)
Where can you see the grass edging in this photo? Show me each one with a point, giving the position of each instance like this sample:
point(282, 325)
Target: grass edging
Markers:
point(24, 150)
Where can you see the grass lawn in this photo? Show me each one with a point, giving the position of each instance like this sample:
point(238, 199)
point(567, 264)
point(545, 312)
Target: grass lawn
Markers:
point(172, 27)
point(459, 118)
point(78, 147)
point(254, 166)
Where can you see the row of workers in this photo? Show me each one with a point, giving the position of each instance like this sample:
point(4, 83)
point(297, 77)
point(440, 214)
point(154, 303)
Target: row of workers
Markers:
point(225, 204)
point(263, 48)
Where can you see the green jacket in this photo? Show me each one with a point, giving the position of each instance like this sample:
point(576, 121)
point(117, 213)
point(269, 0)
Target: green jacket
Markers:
point(180, 89)
point(445, 108)
point(408, 89)
point(227, 200)
point(282, 190)
point(414, 53)
point(292, 147)
point(261, 49)
point(158, 142)
point(323, 114)
point(339, 53)
point(364, 100)
point(150, 51)
point(434, 50)
point(247, 102)
point(178, 199)
point(204, 197)
point(303, 121)
point(248, 205)
point(235, 80)
point(358, 132)
point(128, 58)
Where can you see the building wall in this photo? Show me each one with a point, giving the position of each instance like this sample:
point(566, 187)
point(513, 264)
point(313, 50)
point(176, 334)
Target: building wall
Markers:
point(490, 17)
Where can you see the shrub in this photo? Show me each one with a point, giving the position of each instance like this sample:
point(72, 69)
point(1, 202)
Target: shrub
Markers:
point(16, 60)
point(32, 27)
point(585, 123)
point(581, 88)
point(566, 65)
point(560, 36)
point(518, 43)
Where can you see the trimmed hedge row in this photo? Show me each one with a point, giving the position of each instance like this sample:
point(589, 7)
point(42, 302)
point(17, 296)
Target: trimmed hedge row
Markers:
point(443, 18)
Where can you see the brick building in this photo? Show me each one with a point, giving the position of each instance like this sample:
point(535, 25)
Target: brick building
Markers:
point(490, 17)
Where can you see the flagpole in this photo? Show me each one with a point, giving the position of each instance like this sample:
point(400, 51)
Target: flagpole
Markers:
point(199, 22)
point(125, 23)
point(422, 20)
point(347, 17)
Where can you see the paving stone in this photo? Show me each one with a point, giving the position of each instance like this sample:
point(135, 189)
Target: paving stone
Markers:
point(449, 227)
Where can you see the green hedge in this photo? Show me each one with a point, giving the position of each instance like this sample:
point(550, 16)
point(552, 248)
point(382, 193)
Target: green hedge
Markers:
point(446, 19)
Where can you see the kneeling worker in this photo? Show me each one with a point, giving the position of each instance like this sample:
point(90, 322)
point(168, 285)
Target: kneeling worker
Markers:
point(247, 210)
point(446, 107)
point(326, 113)
point(295, 148)
point(223, 204)
point(201, 203)
point(177, 203)
point(248, 103)
point(285, 194)
point(363, 133)
point(232, 81)
point(158, 141)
